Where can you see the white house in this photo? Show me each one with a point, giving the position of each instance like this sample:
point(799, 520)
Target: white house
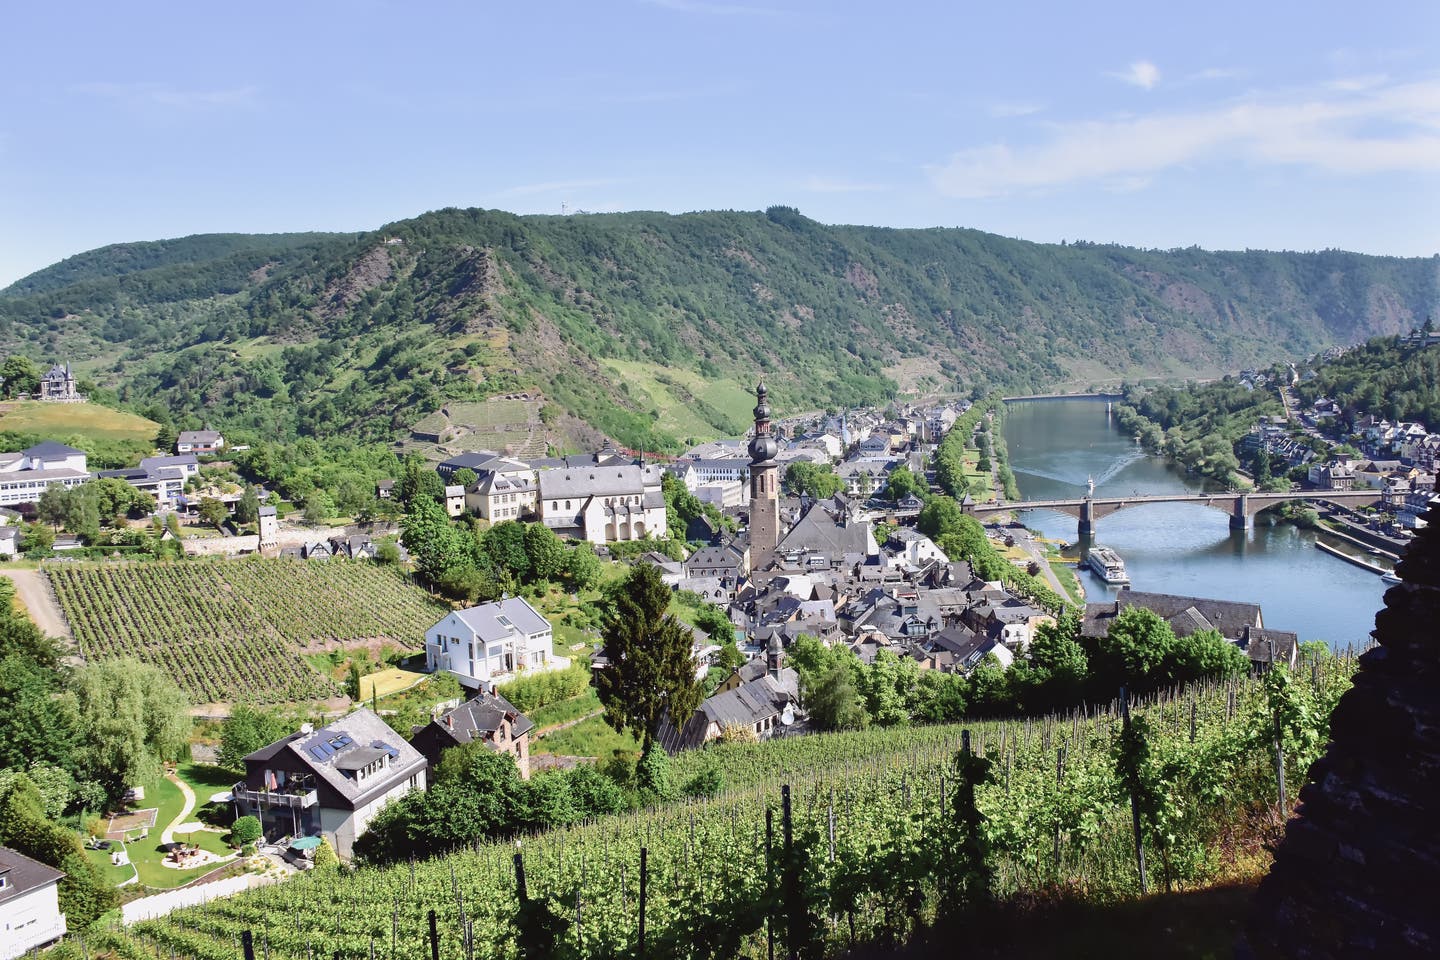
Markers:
point(492, 643)
point(199, 441)
point(329, 782)
point(30, 914)
point(454, 499)
point(25, 475)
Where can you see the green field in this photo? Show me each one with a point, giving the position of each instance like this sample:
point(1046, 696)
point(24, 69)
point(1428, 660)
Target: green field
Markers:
point(236, 629)
point(679, 415)
point(75, 419)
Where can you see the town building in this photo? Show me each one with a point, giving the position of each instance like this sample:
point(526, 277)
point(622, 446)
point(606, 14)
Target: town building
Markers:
point(59, 385)
point(760, 699)
point(492, 643)
point(329, 781)
point(1240, 623)
point(603, 503)
point(764, 486)
point(199, 441)
point(488, 718)
point(30, 915)
point(25, 475)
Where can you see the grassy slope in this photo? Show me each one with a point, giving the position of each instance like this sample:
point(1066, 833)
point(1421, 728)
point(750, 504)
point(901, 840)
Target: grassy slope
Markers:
point(75, 419)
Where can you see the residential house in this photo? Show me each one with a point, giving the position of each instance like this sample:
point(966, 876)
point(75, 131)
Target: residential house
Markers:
point(59, 385)
point(9, 540)
point(329, 782)
point(454, 499)
point(30, 915)
point(762, 697)
point(1240, 623)
point(385, 489)
point(269, 526)
point(487, 717)
point(504, 489)
point(25, 475)
point(491, 643)
point(602, 504)
point(162, 477)
point(199, 441)
point(729, 562)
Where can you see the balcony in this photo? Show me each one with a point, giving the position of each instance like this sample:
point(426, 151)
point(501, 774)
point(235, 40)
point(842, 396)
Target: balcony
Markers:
point(307, 797)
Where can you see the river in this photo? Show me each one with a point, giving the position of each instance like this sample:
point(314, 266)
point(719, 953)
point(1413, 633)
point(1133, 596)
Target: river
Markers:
point(1057, 445)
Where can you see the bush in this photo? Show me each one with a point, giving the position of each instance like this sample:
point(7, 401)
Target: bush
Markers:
point(248, 850)
point(532, 692)
point(245, 831)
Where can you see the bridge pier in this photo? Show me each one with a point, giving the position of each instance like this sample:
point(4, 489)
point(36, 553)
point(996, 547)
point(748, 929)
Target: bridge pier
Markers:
point(1240, 515)
point(1087, 519)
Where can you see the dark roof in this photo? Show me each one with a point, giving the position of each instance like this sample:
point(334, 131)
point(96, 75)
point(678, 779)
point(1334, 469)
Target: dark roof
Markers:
point(1185, 615)
point(49, 448)
point(363, 732)
point(23, 875)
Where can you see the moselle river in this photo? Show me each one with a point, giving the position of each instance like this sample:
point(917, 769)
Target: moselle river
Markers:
point(1056, 446)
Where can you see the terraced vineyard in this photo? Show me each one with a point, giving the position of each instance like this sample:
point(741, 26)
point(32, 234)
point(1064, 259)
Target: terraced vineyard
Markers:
point(232, 629)
point(877, 845)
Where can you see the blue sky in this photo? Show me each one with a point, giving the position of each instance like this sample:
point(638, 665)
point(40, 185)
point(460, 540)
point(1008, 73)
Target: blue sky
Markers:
point(1280, 125)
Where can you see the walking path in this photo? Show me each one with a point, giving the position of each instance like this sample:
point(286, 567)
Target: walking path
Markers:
point(168, 834)
point(39, 600)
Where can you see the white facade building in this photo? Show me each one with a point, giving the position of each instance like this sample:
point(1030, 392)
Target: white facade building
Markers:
point(30, 914)
point(492, 643)
point(602, 504)
point(25, 475)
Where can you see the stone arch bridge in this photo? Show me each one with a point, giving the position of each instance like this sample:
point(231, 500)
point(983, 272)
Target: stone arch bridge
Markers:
point(1240, 506)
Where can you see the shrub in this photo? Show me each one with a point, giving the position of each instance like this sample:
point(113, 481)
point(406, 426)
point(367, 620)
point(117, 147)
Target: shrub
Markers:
point(245, 831)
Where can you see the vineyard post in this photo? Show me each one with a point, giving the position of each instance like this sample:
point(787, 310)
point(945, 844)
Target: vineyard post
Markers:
point(520, 893)
point(644, 885)
point(1192, 718)
point(832, 824)
point(792, 892)
point(769, 884)
point(1279, 743)
point(247, 944)
point(434, 938)
point(1134, 800)
point(1059, 784)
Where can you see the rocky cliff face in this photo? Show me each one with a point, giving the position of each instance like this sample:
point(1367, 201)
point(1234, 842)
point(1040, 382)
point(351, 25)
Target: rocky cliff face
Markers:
point(1358, 871)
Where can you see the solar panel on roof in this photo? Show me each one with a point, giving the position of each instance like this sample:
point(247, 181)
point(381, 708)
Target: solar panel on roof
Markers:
point(318, 753)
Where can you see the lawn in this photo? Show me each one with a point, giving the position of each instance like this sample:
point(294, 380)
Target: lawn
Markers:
point(146, 854)
point(589, 738)
point(69, 419)
point(981, 483)
point(566, 710)
point(387, 682)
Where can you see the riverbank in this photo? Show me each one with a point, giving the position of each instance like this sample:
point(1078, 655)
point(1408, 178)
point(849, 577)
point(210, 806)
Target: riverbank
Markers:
point(1350, 558)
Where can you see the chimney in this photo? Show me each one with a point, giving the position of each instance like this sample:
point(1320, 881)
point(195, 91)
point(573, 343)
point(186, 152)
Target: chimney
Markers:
point(450, 721)
point(307, 728)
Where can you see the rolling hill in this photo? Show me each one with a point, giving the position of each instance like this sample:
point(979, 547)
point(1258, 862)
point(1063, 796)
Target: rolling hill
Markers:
point(646, 326)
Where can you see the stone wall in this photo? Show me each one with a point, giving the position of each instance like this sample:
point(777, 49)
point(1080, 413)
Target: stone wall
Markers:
point(1358, 871)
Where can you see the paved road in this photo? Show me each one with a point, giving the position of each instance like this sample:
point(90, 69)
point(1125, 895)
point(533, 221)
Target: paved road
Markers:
point(39, 600)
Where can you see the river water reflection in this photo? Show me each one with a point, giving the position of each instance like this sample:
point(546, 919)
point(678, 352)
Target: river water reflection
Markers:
point(1056, 446)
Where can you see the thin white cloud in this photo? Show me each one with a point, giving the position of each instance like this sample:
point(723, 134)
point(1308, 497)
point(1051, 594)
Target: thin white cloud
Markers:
point(1141, 73)
point(720, 9)
point(556, 186)
point(1393, 128)
point(817, 184)
point(1016, 109)
point(165, 95)
point(1356, 84)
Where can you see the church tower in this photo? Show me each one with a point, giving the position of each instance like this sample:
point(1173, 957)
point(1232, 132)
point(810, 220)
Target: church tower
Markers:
point(764, 486)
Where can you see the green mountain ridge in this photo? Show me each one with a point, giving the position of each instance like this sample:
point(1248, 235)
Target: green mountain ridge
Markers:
point(323, 335)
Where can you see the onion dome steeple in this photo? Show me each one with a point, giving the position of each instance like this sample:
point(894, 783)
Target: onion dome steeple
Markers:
point(763, 447)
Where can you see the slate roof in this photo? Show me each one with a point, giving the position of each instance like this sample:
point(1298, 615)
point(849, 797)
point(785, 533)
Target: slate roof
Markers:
point(1185, 615)
point(23, 875)
point(479, 718)
point(484, 619)
point(198, 436)
point(819, 531)
point(48, 449)
point(367, 733)
point(598, 481)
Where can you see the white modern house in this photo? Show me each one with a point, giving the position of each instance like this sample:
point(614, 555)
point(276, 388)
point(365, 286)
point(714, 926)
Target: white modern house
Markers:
point(25, 475)
point(492, 643)
point(30, 914)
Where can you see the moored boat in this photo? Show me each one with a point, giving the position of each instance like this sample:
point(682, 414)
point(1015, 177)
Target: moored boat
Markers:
point(1107, 564)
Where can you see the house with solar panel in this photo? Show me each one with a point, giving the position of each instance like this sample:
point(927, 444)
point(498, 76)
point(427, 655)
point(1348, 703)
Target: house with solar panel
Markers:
point(492, 643)
point(329, 781)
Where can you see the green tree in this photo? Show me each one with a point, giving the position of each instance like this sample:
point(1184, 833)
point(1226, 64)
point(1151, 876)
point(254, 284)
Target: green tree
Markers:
point(38, 539)
point(245, 831)
point(464, 477)
point(131, 716)
point(430, 537)
point(545, 552)
point(213, 512)
point(901, 483)
point(812, 479)
point(165, 437)
point(84, 894)
point(582, 568)
point(21, 375)
point(246, 730)
point(1135, 652)
point(833, 700)
point(651, 671)
point(319, 507)
point(248, 509)
point(1205, 655)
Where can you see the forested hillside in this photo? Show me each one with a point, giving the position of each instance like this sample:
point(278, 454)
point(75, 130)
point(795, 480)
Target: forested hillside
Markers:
point(1384, 377)
point(617, 318)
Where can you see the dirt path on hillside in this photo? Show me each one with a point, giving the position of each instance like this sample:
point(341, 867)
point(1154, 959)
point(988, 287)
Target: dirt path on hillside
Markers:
point(39, 601)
